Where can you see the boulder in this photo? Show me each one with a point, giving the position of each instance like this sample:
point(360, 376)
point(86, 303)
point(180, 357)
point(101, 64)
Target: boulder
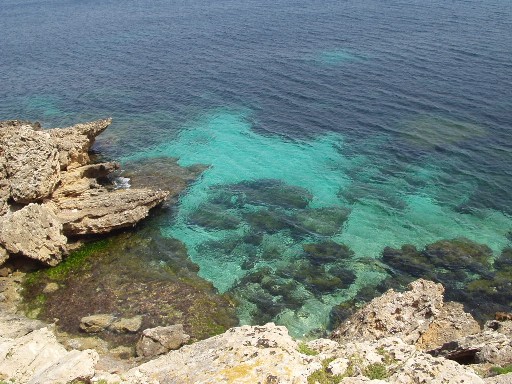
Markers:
point(485, 347)
point(37, 357)
point(31, 164)
point(100, 212)
point(96, 323)
point(125, 325)
point(159, 340)
point(407, 315)
point(35, 232)
point(450, 324)
point(73, 143)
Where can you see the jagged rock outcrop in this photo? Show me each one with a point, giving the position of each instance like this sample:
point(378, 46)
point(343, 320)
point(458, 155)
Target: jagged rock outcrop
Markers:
point(74, 143)
point(31, 163)
point(488, 346)
point(51, 168)
point(449, 324)
point(159, 340)
point(35, 232)
point(99, 212)
point(406, 315)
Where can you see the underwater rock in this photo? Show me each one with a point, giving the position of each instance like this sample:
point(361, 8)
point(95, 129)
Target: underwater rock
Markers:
point(74, 143)
point(126, 325)
point(160, 340)
point(268, 192)
point(96, 323)
point(213, 217)
point(31, 163)
point(327, 252)
point(322, 221)
point(266, 221)
point(35, 232)
point(131, 274)
point(162, 173)
point(504, 261)
point(460, 253)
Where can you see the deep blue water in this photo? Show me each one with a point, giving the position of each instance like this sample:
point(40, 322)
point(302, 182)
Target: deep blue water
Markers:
point(364, 123)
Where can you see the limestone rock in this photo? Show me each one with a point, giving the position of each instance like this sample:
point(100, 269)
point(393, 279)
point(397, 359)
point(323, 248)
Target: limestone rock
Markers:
point(450, 324)
point(37, 357)
point(35, 232)
point(401, 363)
point(80, 180)
point(407, 315)
point(500, 379)
point(99, 212)
point(5, 190)
point(3, 255)
point(504, 327)
point(265, 354)
point(123, 325)
point(485, 347)
point(13, 326)
point(96, 323)
point(74, 365)
point(159, 340)
point(73, 143)
point(31, 164)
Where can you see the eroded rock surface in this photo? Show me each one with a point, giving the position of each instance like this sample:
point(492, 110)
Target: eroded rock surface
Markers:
point(74, 143)
point(407, 315)
point(159, 340)
point(100, 212)
point(31, 163)
point(52, 167)
point(35, 232)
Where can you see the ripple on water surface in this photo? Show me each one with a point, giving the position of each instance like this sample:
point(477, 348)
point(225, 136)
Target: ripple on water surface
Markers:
point(293, 228)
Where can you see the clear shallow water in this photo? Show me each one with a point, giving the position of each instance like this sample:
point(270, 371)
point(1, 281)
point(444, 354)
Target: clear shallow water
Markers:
point(358, 123)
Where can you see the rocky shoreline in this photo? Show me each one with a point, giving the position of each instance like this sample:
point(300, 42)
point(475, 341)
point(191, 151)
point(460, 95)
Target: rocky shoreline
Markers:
point(409, 337)
point(52, 196)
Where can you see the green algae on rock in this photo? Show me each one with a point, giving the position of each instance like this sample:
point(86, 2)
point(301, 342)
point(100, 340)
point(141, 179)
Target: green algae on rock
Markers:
point(128, 275)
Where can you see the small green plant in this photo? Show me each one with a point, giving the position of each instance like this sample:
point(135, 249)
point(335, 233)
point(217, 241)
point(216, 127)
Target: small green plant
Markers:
point(502, 370)
point(388, 359)
point(376, 371)
point(324, 375)
point(305, 350)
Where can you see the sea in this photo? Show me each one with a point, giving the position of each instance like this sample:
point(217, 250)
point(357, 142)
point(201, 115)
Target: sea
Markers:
point(335, 132)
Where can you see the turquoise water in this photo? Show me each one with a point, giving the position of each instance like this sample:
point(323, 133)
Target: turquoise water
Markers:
point(240, 159)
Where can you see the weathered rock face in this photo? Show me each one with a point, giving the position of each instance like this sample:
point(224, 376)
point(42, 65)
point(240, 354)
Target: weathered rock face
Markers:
point(31, 164)
point(35, 232)
point(241, 355)
point(485, 347)
point(52, 167)
point(100, 212)
point(407, 315)
point(96, 323)
point(74, 143)
point(37, 357)
point(450, 324)
point(159, 340)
